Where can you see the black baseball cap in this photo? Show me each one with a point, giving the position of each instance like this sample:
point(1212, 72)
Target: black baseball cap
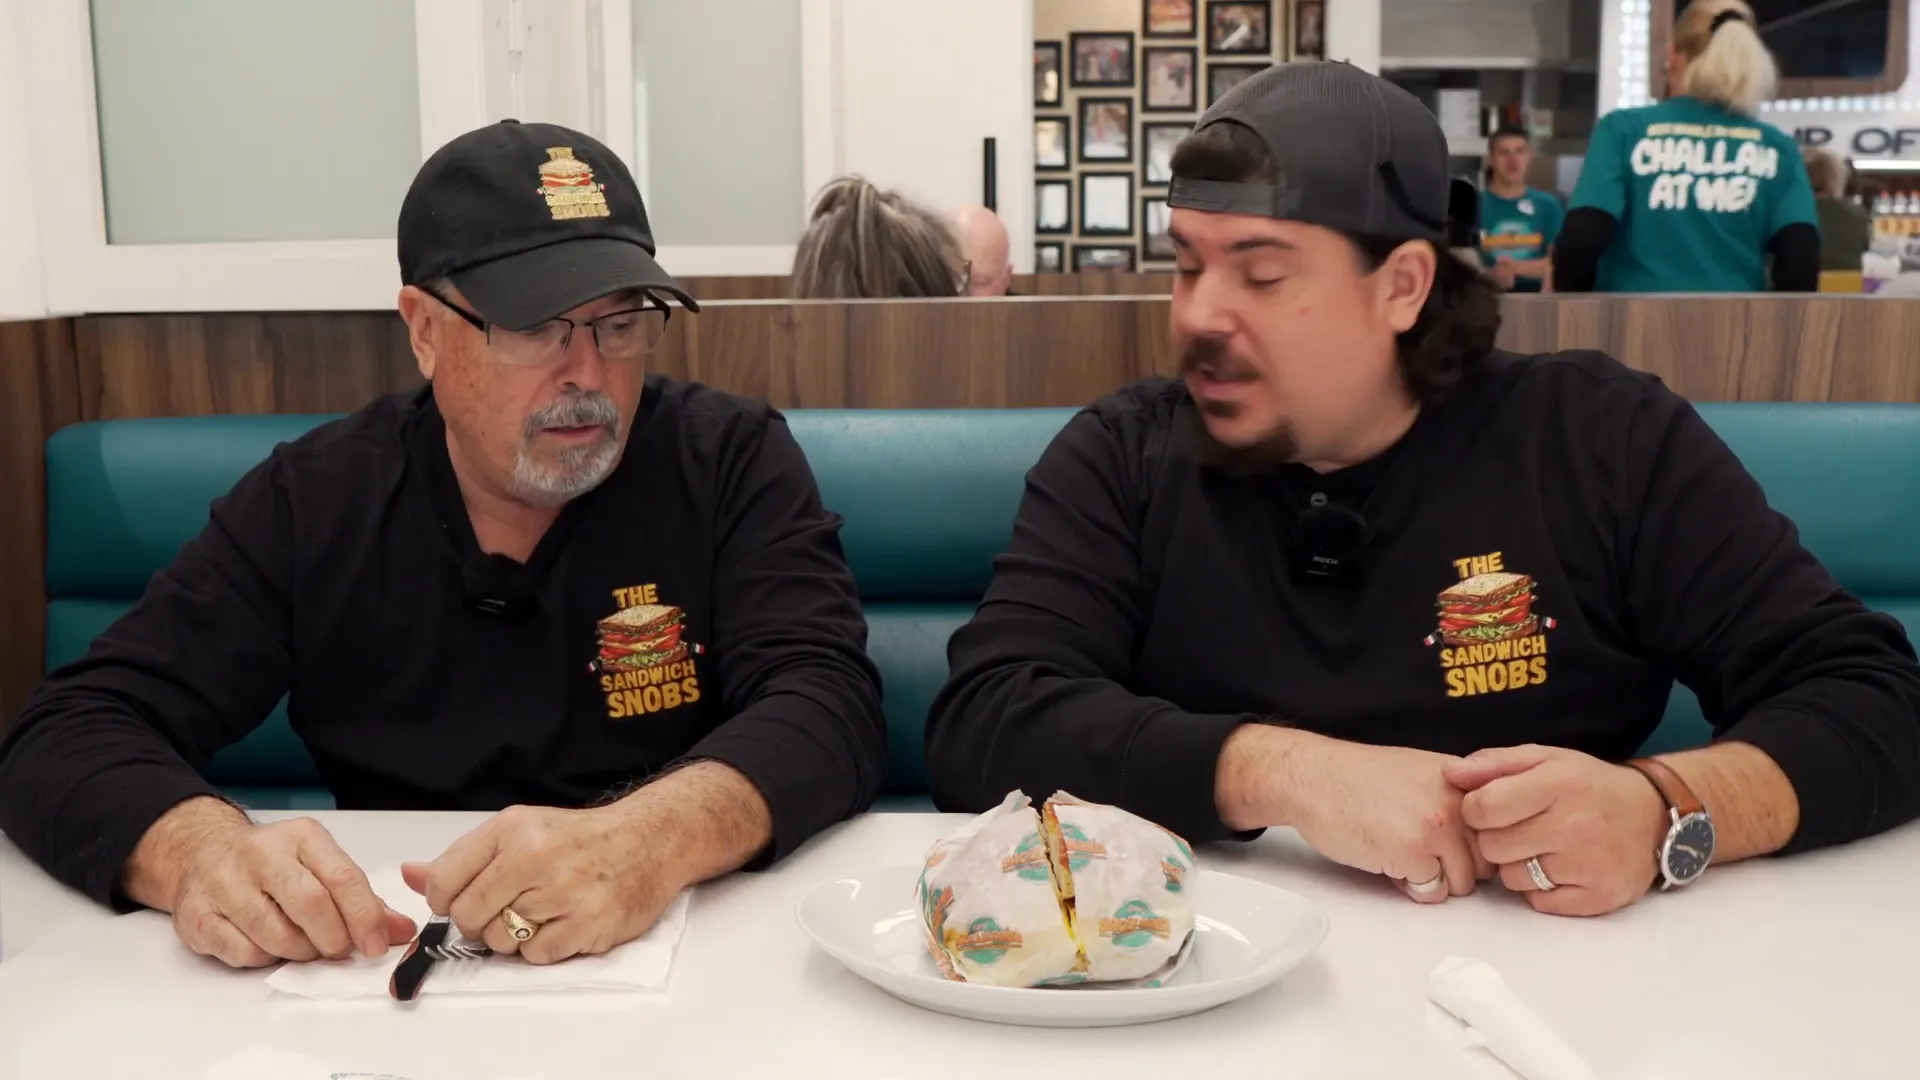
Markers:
point(1351, 152)
point(528, 221)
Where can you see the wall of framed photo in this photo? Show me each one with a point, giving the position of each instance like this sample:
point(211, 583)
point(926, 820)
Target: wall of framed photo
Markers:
point(1117, 84)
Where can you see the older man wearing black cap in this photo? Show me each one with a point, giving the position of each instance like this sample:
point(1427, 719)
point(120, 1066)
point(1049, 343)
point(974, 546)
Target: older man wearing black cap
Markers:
point(546, 579)
point(1361, 574)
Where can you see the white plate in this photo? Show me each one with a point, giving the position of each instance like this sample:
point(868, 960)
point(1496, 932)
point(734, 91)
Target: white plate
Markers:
point(1247, 935)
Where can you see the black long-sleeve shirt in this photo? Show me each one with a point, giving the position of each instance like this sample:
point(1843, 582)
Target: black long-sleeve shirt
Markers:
point(696, 605)
point(1547, 550)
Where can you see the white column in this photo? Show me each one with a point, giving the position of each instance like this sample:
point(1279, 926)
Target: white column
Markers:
point(1353, 32)
point(913, 119)
point(22, 292)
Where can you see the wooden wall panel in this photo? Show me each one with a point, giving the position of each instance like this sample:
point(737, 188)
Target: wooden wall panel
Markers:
point(759, 287)
point(39, 394)
point(199, 365)
point(1094, 283)
point(1738, 348)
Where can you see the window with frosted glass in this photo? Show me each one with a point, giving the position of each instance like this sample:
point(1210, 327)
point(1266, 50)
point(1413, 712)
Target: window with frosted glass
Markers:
point(719, 120)
point(248, 120)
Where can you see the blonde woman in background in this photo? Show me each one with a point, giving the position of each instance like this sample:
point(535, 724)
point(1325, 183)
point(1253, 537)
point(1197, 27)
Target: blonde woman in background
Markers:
point(1845, 227)
point(865, 243)
point(1694, 194)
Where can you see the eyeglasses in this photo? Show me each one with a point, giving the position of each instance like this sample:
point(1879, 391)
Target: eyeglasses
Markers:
point(619, 335)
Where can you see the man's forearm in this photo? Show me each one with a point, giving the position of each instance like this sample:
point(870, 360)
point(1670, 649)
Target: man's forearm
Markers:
point(1754, 807)
point(152, 874)
point(1260, 771)
point(709, 818)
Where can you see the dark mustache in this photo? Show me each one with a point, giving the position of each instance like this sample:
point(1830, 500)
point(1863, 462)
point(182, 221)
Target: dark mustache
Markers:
point(589, 408)
point(1209, 354)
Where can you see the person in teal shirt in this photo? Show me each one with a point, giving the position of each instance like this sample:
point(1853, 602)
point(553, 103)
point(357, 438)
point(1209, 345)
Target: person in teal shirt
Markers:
point(1518, 224)
point(1694, 194)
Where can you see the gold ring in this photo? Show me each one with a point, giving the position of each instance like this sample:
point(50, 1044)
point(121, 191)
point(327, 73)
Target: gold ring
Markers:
point(520, 928)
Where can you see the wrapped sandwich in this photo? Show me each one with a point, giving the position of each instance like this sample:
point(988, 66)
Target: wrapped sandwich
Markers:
point(1069, 893)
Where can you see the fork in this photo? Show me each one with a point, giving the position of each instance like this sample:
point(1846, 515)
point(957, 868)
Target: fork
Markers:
point(432, 946)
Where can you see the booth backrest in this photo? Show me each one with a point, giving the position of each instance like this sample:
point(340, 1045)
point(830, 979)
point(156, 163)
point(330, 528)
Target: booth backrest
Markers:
point(928, 497)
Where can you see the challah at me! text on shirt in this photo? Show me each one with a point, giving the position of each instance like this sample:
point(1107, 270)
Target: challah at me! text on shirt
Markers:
point(1697, 191)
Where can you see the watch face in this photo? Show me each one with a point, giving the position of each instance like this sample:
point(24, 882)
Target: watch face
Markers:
point(1689, 848)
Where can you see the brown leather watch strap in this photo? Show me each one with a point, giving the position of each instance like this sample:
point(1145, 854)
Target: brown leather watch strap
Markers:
point(1673, 789)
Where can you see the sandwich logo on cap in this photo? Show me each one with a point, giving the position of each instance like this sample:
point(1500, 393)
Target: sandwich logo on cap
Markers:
point(1492, 640)
point(643, 665)
point(570, 189)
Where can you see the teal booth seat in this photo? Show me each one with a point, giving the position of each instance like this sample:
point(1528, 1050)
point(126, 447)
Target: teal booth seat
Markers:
point(928, 497)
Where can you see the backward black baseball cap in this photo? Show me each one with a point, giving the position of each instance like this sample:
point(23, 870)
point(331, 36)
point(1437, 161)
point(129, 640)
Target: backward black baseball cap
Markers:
point(529, 221)
point(1351, 152)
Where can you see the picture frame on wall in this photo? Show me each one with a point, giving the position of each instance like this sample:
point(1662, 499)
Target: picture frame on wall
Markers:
point(1110, 258)
point(1169, 18)
point(1052, 143)
point(1157, 142)
point(1172, 78)
point(1100, 59)
point(1053, 207)
point(1156, 238)
point(1106, 129)
point(1309, 29)
point(1050, 258)
point(1224, 77)
point(1046, 74)
point(1239, 27)
point(1106, 204)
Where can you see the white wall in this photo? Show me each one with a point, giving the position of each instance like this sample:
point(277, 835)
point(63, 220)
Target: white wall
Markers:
point(22, 295)
point(1353, 32)
point(920, 84)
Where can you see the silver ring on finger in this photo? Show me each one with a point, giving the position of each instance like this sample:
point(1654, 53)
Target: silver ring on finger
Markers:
point(1540, 879)
point(1426, 888)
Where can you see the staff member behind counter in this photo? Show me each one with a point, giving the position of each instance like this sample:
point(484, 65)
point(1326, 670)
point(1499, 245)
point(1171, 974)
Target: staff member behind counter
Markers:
point(1694, 194)
point(547, 578)
point(1357, 542)
point(1518, 224)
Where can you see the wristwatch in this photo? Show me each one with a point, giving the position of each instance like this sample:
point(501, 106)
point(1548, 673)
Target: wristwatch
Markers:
point(1688, 847)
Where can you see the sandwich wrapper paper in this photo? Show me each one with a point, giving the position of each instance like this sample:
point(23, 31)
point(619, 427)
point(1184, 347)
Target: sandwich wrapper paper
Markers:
point(267, 1063)
point(641, 965)
point(991, 913)
point(1474, 993)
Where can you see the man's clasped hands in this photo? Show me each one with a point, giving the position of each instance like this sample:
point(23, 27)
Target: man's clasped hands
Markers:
point(1439, 824)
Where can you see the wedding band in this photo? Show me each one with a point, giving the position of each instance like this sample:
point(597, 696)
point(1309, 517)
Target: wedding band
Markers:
point(1540, 879)
point(520, 928)
point(1425, 888)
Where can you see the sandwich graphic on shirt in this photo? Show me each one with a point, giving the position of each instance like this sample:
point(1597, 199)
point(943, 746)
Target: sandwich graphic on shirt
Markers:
point(1487, 608)
point(643, 636)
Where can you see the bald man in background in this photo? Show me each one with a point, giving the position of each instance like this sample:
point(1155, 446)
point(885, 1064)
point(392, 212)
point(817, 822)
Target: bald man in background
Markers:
point(984, 237)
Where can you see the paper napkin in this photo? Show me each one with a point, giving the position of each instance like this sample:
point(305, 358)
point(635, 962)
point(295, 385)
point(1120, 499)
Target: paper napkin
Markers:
point(641, 965)
point(1511, 1031)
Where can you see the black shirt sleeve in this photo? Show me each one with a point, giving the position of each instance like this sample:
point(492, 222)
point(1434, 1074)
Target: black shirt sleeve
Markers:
point(1796, 258)
point(1038, 697)
point(1576, 254)
point(113, 740)
point(803, 699)
point(1779, 655)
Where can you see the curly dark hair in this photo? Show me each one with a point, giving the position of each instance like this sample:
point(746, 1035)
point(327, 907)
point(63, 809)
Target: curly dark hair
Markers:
point(1461, 318)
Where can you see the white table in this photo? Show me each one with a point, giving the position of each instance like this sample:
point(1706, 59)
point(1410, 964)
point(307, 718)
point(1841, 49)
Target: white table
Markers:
point(1776, 968)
